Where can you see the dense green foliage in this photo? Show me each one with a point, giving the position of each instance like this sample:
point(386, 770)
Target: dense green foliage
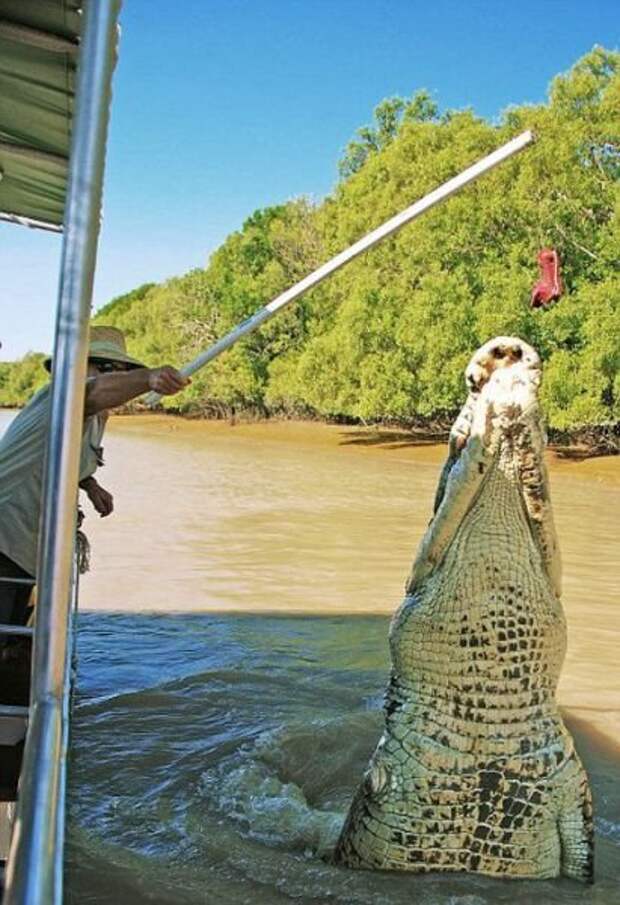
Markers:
point(387, 337)
point(19, 380)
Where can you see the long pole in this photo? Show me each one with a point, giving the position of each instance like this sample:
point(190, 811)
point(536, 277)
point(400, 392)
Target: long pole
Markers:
point(35, 864)
point(373, 238)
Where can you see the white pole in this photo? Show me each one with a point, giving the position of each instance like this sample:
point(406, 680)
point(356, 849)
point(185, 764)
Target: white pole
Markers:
point(377, 235)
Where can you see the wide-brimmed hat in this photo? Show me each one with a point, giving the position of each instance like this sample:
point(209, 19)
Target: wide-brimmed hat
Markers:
point(106, 344)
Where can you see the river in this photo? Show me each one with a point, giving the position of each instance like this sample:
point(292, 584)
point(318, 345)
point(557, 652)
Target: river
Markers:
point(233, 655)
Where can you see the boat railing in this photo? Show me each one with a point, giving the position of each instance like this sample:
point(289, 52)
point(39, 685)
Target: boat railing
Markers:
point(34, 872)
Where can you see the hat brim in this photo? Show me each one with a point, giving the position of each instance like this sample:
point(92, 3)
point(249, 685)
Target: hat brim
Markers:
point(131, 363)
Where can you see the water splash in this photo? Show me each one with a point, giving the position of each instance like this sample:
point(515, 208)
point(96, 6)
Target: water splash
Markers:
point(247, 789)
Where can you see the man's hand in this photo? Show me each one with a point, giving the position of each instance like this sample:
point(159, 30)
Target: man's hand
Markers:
point(167, 380)
point(102, 499)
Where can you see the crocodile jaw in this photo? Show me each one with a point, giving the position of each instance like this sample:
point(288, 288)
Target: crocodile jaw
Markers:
point(499, 427)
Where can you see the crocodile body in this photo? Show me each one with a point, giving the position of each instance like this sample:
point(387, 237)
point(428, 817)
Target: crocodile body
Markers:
point(475, 770)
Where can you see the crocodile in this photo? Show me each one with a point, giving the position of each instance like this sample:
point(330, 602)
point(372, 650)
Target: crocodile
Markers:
point(475, 770)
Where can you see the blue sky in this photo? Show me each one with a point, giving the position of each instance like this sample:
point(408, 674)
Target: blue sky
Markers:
point(224, 106)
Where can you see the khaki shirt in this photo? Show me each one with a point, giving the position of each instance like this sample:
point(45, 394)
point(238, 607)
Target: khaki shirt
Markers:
point(22, 450)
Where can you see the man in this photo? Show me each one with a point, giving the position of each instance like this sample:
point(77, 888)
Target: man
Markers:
point(113, 379)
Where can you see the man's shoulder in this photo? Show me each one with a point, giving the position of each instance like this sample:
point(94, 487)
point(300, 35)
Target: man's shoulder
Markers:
point(38, 405)
point(31, 419)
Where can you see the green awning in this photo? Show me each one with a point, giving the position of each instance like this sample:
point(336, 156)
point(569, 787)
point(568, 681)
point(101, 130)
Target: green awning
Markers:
point(39, 41)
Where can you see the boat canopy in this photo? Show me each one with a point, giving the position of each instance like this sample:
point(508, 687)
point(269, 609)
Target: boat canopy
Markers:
point(39, 44)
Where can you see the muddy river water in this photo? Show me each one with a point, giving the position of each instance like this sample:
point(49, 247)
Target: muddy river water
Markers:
point(233, 655)
point(311, 518)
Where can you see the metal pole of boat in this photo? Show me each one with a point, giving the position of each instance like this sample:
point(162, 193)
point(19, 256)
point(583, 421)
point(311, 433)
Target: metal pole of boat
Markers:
point(35, 866)
point(441, 193)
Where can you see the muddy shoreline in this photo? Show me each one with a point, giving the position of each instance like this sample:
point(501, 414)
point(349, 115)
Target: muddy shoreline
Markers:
point(580, 443)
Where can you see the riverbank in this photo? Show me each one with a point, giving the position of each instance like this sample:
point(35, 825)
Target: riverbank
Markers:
point(577, 443)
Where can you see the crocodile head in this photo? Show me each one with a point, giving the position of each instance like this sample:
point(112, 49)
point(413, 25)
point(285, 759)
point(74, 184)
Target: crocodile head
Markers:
point(498, 428)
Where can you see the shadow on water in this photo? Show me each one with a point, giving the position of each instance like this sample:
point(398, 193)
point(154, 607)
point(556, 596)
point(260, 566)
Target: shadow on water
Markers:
point(580, 453)
point(214, 757)
point(393, 439)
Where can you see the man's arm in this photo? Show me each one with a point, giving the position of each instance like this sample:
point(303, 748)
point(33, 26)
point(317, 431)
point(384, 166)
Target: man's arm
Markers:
point(106, 391)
